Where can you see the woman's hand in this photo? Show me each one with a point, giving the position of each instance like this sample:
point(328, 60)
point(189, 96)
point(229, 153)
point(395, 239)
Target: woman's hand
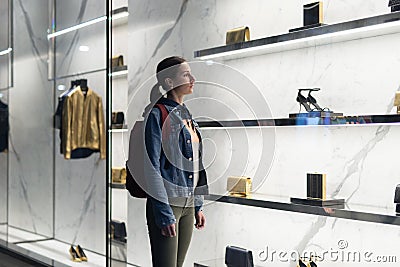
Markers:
point(169, 230)
point(200, 220)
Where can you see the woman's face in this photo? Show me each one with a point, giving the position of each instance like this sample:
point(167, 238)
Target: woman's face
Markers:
point(183, 82)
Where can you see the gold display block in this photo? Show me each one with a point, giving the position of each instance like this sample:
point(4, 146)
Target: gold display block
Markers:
point(117, 61)
point(238, 35)
point(118, 175)
point(397, 101)
point(239, 185)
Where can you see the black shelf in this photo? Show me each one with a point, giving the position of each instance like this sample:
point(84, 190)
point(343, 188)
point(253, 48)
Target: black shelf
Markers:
point(119, 127)
point(118, 186)
point(120, 10)
point(119, 68)
point(119, 16)
point(120, 242)
point(255, 47)
point(352, 212)
point(305, 121)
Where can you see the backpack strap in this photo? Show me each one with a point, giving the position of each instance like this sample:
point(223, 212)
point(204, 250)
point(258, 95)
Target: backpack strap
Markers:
point(164, 112)
point(164, 119)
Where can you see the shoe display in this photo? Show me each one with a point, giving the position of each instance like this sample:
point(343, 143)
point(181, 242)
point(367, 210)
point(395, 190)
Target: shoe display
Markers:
point(74, 255)
point(303, 101)
point(81, 254)
point(312, 100)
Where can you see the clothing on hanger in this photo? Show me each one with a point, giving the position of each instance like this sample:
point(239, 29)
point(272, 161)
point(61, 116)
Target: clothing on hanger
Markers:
point(58, 113)
point(83, 123)
point(75, 85)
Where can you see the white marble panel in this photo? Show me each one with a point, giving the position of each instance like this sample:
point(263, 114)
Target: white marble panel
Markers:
point(260, 230)
point(82, 50)
point(5, 68)
point(73, 12)
point(138, 245)
point(119, 3)
point(58, 251)
point(4, 43)
point(3, 232)
point(5, 25)
point(3, 186)
point(357, 77)
point(119, 207)
point(16, 235)
point(120, 146)
point(358, 161)
point(80, 184)
point(119, 39)
point(31, 133)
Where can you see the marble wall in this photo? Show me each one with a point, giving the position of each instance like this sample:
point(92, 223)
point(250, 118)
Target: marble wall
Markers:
point(3, 182)
point(5, 34)
point(80, 184)
point(4, 74)
point(48, 195)
point(31, 108)
point(357, 77)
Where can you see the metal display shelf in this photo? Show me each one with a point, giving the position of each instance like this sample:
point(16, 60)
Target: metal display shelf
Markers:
point(117, 186)
point(119, 71)
point(352, 212)
point(306, 121)
point(326, 34)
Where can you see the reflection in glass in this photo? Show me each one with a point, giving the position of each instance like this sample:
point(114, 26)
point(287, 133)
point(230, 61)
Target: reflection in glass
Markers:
point(5, 59)
point(5, 71)
point(4, 24)
point(3, 163)
point(82, 50)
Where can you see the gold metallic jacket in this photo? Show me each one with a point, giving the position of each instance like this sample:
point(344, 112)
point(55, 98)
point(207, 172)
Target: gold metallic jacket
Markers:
point(83, 123)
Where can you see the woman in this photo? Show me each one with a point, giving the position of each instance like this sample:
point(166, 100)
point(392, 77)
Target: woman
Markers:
point(174, 171)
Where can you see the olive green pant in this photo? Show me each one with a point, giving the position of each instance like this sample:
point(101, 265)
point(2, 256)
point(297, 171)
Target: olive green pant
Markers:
point(171, 251)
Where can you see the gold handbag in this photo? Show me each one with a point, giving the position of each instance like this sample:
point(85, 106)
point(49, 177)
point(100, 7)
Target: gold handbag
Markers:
point(239, 185)
point(237, 35)
point(117, 61)
point(118, 175)
point(397, 102)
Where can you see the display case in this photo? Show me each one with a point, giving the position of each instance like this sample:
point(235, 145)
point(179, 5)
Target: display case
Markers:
point(118, 130)
point(349, 59)
point(244, 99)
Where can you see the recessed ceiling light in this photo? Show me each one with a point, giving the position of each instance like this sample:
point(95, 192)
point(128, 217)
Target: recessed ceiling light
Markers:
point(84, 48)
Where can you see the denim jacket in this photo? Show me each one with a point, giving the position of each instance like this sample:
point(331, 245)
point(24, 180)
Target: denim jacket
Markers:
point(168, 161)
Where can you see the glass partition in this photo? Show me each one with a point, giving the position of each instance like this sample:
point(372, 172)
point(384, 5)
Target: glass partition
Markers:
point(5, 83)
point(5, 44)
point(3, 163)
point(50, 201)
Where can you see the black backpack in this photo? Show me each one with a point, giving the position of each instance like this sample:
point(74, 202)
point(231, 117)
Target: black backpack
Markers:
point(135, 170)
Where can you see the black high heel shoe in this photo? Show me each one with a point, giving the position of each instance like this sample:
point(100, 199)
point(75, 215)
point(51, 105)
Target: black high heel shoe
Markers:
point(81, 254)
point(313, 101)
point(301, 263)
point(74, 255)
point(303, 101)
point(312, 262)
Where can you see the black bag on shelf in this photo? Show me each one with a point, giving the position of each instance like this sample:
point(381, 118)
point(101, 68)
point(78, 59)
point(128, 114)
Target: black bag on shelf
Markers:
point(118, 118)
point(238, 257)
point(118, 230)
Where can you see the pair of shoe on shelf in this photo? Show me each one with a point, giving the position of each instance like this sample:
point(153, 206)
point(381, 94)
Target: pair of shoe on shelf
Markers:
point(77, 254)
point(302, 263)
